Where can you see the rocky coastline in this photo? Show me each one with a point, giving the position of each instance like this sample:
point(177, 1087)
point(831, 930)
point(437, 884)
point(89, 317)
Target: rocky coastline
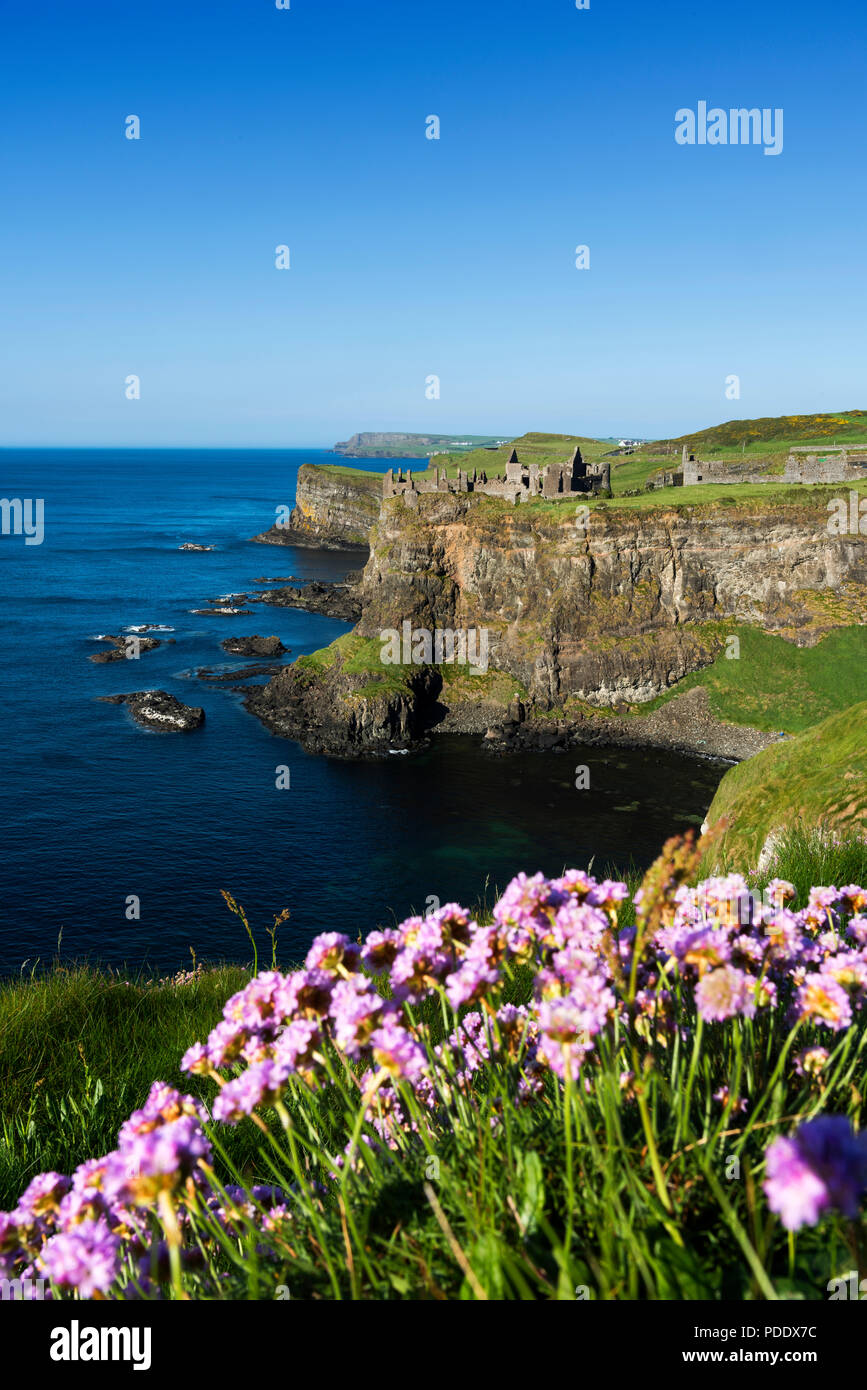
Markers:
point(685, 724)
point(586, 627)
point(329, 715)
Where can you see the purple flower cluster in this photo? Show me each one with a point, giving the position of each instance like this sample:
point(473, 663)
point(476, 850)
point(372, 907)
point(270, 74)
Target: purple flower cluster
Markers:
point(743, 955)
point(77, 1230)
point(357, 1007)
point(822, 1166)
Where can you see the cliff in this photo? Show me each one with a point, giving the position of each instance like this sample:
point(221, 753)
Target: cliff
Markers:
point(579, 621)
point(619, 613)
point(378, 444)
point(335, 508)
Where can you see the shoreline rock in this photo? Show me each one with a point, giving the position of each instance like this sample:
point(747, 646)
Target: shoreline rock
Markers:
point(287, 535)
point(331, 715)
point(327, 712)
point(240, 673)
point(341, 601)
point(222, 612)
point(686, 724)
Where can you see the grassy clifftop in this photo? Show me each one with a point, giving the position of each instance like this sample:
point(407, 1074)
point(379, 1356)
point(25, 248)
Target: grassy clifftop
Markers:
point(818, 779)
point(533, 447)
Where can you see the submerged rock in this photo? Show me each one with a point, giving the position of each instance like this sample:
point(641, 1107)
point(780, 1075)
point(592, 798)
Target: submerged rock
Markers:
point(124, 648)
point(243, 673)
point(254, 646)
point(224, 612)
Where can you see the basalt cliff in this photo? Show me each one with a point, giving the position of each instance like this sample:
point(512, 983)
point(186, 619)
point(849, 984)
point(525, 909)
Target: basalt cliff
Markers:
point(586, 619)
point(334, 509)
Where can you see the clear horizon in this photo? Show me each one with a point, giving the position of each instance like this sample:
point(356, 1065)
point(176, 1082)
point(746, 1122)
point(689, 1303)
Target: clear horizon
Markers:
point(412, 258)
point(193, 446)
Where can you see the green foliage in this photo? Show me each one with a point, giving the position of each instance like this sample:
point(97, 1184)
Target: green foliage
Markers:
point(79, 1048)
point(778, 433)
point(805, 855)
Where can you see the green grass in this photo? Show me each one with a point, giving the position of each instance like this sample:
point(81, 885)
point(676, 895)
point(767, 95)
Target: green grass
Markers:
point(774, 685)
point(805, 856)
point(684, 501)
point(366, 478)
point(361, 657)
point(79, 1048)
point(629, 473)
point(534, 447)
point(702, 495)
point(818, 779)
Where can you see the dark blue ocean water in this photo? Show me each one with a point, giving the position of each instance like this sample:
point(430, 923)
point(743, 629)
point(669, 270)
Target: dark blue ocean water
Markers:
point(94, 809)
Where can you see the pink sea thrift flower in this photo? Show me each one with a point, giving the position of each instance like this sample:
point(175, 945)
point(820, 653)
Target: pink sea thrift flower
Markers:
point(823, 1165)
point(85, 1259)
point(724, 992)
point(822, 1000)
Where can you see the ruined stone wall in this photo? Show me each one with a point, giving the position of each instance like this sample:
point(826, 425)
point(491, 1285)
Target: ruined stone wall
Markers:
point(816, 468)
point(717, 471)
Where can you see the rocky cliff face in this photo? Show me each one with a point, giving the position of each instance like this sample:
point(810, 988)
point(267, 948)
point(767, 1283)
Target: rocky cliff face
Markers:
point(330, 713)
point(619, 611)
point(578, 617)
point(334, 509)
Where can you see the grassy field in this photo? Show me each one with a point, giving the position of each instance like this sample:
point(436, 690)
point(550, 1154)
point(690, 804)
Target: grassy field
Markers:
point(533, 447)
point(691, 499)
point(776, 434)
point(629, 474)
point(369, 478)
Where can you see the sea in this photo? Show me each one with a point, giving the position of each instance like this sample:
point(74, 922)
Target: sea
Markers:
point(116, 843)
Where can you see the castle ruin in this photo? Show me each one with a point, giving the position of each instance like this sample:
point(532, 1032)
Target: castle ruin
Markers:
point(520, 483)
point(805, 464)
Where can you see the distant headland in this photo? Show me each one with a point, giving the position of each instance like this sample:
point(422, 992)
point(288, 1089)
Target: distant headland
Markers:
point(414, 446)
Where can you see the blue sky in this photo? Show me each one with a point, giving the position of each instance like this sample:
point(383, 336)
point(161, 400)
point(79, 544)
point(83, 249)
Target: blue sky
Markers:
point(412, 257)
